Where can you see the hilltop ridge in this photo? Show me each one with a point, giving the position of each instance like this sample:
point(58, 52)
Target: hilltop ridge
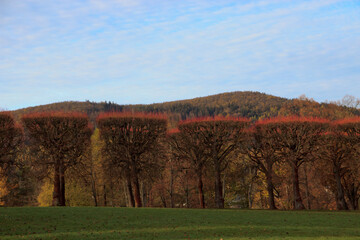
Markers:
point(254, 105)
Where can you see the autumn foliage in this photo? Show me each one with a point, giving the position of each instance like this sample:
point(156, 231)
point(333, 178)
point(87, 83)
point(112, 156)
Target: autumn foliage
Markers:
point(10, 139)
point(62, 138)
point(130, 139)
point(259, 147)
point(289, 162)
point(295, 139)
point(217, 138)
point(348, 162)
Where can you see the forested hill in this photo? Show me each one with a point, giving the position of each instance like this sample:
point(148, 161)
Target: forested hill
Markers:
point(246, 104)
point(254, 105)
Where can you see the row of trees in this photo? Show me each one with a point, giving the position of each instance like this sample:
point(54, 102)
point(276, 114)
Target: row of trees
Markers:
point(290, 141)
point(59, 139)
point(208, 141)
point(146, 161)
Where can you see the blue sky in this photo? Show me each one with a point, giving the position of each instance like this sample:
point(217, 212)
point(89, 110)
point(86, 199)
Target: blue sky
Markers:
point(141, 51)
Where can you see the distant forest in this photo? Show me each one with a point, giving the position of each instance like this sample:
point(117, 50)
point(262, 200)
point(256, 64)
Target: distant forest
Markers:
point(253, 105)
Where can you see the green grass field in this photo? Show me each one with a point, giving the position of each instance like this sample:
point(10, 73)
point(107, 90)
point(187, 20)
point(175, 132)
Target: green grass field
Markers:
point(149, 223)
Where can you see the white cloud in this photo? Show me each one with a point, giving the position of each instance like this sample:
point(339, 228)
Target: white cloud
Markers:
point(97, 48)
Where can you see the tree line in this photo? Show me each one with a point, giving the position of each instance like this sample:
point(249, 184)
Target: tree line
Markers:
point(254, 105)
point(133, 159)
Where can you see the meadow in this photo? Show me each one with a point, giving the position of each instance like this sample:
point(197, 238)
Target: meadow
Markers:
point(150, 223)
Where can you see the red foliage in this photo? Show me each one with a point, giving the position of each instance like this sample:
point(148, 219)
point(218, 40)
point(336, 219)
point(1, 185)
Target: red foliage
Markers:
point(351, 126)
point(173, 131)
point(8, 119)
point(348, 120)
point(5, 113)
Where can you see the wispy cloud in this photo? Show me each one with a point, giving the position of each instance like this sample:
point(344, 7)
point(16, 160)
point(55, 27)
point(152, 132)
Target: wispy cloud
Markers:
point(137, 51)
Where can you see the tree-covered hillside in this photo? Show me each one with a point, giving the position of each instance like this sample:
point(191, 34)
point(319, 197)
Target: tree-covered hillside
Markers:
point(254, 105)
point(246, 104)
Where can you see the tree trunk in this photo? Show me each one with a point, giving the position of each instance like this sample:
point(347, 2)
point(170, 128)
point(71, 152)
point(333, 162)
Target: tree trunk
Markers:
point(62, 185)
point(250, 199)
point(187, 192)
point(270, 190)
point(298, 204)
point(162, 198)
point(171, 193)
point(93, 189)
point(356, 203)
point(340, 196)
point(219, 200)
point(135, 181)
point(131, 200)
point(104, 195)
point(263, 204)
point(307, 190)
point(353, 196)
point(224, 186)
point(201, 192)
point(137, 196)
point(289, 201)
point(126, 194)
point(56, 191)
point(143, 194)
point(62, 180)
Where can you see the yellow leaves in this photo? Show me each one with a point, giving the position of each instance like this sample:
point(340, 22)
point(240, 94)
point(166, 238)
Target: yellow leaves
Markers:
point(3, 189)
point(45, 197)
point(76, 194)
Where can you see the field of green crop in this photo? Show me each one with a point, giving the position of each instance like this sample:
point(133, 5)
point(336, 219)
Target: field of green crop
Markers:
point(149, 223)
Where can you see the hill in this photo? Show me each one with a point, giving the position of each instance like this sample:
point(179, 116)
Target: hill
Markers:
point(254, 105)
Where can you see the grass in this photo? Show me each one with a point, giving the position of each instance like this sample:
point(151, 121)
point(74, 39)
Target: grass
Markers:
point(150, 223)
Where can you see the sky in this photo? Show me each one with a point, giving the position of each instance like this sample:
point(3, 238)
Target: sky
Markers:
point(142, 51)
